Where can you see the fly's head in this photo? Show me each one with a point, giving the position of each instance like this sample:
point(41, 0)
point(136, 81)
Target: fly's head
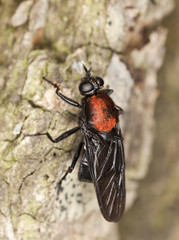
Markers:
point(90, 84)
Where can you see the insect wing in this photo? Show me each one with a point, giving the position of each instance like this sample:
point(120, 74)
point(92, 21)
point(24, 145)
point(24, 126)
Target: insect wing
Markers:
point(106, 164)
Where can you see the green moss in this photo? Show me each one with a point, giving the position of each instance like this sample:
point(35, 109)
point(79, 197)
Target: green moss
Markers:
point(44, 70)
point(9, 157)
point(32, 208)
point(16, 75)
point(34, 54)
point(29, 227)
point(4, 165)
point(90, 2)
point(62, 48)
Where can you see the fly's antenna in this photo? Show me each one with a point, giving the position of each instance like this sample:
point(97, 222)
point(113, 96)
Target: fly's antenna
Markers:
point(88, 72)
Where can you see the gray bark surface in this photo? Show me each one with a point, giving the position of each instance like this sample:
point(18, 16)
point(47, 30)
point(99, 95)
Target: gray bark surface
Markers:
point(124, 41)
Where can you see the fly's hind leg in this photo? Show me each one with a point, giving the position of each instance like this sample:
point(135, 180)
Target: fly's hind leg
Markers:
point(70, 168)
point(84, 171)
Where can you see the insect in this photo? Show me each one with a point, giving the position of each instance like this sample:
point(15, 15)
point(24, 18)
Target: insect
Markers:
point(103, 161)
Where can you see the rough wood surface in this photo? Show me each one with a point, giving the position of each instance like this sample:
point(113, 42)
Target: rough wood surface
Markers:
point(124, 42)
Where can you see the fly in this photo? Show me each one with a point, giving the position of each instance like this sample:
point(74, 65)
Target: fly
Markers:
point(103, 161)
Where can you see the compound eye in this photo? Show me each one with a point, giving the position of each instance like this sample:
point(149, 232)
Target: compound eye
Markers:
point(86, 87)
point(100, 81)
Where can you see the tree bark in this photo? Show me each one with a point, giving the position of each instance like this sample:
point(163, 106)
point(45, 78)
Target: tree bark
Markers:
point(124, 42)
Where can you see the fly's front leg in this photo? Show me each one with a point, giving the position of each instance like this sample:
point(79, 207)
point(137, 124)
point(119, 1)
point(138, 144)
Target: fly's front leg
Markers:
point(71, 167)
point(66, 99)
point(58, 139)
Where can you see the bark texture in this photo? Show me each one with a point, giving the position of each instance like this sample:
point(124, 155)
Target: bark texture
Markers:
point(124, 42)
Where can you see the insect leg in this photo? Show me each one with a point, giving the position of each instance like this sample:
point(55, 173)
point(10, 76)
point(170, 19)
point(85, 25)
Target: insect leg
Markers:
point(58, 139)
point(66, 99)
point(108, 91)
point(120, 110)
point(71, 167)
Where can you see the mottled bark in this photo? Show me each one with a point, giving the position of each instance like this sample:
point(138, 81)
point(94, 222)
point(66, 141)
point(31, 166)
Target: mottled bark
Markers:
point(124, 42)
